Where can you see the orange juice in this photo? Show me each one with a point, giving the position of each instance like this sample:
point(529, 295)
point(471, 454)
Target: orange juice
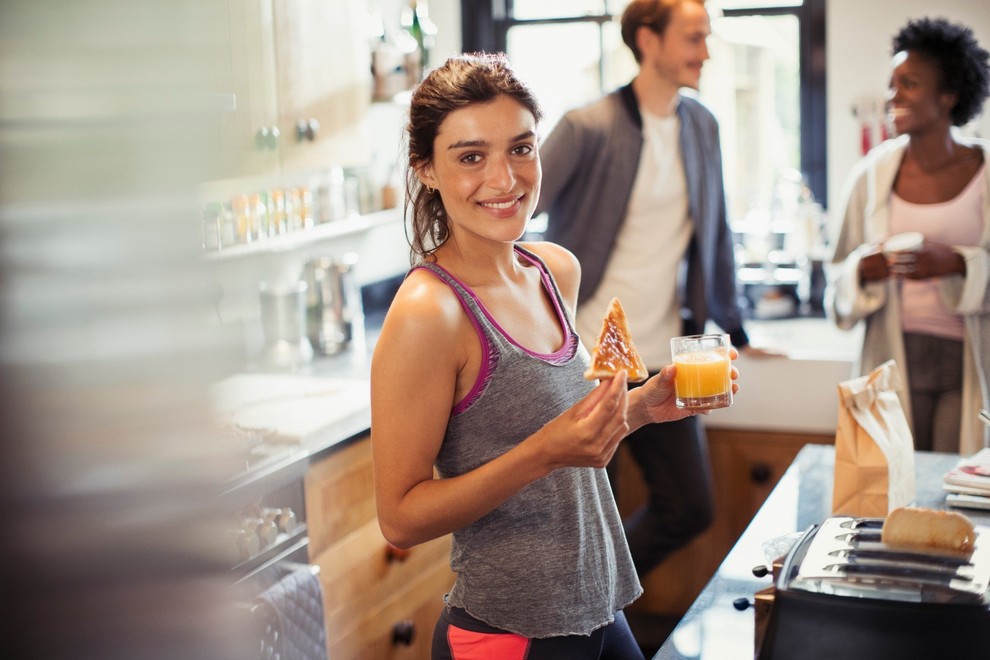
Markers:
point(703, 379)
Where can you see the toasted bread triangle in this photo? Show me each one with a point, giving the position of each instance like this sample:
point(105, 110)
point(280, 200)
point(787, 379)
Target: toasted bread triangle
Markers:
point(614, 351)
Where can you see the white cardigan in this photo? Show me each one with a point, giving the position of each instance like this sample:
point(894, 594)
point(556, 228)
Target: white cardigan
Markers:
point(866, 221)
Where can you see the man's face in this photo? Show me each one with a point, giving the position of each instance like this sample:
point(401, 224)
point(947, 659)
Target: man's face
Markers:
point(678, 54)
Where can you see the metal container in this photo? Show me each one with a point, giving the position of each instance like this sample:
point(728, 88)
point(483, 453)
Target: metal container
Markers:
point(283, 321)
point(334, 315)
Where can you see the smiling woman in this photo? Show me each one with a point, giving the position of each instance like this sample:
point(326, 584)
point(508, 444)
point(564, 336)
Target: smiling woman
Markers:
point(927, 306)
point(478, 376)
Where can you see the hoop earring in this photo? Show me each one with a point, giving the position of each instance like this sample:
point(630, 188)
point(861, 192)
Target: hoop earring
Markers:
point(430, 190)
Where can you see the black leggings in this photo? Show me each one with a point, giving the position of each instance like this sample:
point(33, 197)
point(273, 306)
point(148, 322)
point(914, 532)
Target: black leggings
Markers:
point(459, 636)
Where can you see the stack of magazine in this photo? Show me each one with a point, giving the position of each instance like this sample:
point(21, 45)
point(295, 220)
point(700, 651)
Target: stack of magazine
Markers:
point(968, 484)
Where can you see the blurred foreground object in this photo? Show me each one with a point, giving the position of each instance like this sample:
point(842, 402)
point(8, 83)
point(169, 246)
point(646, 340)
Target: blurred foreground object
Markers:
point(109, 479)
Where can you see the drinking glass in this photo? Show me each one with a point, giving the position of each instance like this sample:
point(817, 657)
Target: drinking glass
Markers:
point(703, 380)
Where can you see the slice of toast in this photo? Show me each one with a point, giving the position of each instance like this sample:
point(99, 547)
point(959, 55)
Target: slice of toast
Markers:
point(929, 529)
point(614, 351)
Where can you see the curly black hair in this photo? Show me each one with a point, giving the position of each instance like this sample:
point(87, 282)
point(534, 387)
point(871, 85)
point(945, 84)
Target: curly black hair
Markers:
point(955, 52)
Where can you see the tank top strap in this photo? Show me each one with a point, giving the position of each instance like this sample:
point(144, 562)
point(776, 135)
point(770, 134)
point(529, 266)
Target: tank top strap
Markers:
point(468, 299)
point(550, 284)
point(492, 342)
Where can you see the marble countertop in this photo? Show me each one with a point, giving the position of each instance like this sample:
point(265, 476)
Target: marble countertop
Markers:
point(713, 629)
point(819, 356)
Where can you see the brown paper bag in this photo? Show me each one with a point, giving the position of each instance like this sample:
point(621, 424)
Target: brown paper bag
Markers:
point(874, 448)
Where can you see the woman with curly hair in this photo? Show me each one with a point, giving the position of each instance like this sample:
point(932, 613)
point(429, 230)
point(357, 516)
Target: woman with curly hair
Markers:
point(924, 296)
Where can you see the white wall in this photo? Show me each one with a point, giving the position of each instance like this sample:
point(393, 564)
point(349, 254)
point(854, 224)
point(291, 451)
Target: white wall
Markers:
point(858, 36)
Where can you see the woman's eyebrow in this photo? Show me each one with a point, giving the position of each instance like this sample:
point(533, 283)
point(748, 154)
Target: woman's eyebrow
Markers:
point(468, 143)
point(482, 143)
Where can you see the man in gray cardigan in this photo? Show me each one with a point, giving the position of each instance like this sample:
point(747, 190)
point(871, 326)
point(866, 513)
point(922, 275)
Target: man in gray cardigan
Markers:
point(632, 184)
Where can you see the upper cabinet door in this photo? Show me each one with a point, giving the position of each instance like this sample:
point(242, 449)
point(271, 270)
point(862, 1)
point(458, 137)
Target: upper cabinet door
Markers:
point(293, 83)
point(249, 133)
point(323, 81)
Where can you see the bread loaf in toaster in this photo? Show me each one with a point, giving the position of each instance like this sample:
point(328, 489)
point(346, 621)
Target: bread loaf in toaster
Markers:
point(929, 529)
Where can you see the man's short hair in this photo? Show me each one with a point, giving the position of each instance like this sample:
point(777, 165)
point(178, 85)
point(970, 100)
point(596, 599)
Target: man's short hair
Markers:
point(652, 14)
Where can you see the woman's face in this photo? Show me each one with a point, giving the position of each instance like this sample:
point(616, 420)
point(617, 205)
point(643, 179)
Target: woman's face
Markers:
point(915, 100)
point(487, 169)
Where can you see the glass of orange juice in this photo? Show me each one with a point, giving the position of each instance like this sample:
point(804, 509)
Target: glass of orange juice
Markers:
point(703, 380)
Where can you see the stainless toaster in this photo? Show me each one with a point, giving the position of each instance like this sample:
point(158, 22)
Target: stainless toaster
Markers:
point(842, 593)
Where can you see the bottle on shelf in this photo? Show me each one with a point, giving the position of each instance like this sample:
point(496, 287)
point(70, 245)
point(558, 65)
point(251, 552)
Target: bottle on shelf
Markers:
point(416, 20)
point(211, 219)
point(239, 205)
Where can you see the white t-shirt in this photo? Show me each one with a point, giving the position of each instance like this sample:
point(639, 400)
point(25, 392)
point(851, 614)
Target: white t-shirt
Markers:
point(643, 267)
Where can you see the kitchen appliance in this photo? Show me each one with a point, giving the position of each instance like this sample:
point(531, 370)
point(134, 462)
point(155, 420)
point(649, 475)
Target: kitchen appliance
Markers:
point(271, 582)
point(334, 314)
point(283, 321)
point(842, 593)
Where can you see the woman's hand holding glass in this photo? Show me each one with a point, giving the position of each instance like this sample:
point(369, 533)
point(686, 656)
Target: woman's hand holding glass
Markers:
point(655, 400)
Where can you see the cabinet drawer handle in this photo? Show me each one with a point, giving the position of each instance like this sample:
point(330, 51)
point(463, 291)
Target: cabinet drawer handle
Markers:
point(760, 473)
point(403, 633)
point(306, 129)
point(394, 553)
point(266, 138)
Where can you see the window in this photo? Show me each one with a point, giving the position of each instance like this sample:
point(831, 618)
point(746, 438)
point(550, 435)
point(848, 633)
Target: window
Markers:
point(765, 81)
point(587, 57)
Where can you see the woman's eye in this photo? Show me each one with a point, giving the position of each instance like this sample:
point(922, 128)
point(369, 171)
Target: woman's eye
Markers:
point(523, 150)
point(470, 159)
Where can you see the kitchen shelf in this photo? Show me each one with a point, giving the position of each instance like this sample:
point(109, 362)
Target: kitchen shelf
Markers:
point(305, 237)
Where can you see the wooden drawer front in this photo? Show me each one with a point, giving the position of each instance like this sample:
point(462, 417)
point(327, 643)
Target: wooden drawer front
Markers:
point(340, 495)
point(748, 465)
point(419, 604)
point(358, 575)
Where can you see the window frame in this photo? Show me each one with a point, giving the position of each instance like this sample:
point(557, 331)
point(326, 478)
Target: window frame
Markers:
point(485, 25)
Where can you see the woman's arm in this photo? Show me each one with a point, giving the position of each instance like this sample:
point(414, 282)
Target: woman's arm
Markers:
point(850, 298)
point(425, 342)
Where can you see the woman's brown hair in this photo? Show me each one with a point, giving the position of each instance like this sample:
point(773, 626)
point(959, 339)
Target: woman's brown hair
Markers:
point(461, 81)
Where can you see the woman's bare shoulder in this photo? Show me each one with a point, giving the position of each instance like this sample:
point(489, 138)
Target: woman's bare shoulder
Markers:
point(425, 301)
point(563, 265)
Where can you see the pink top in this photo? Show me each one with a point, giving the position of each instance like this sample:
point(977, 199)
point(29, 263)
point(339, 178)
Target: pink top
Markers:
point(955, 222)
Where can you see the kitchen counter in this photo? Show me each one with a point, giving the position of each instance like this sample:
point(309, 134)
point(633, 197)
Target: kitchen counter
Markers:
point(819, 356)
point(309, 411)
point(797, 393)
point(713, 629)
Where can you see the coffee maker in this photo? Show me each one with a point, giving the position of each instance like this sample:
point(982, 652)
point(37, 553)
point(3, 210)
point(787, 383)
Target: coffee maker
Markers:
point(334, 313)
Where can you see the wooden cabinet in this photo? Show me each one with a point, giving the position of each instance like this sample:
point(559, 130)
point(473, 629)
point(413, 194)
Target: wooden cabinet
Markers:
point(380, 603)
point(324, 81)
point(247, 101)
point(746, 465)
point(293, 79)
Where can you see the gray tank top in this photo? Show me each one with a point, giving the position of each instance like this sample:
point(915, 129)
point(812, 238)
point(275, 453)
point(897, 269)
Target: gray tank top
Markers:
point(551, 560)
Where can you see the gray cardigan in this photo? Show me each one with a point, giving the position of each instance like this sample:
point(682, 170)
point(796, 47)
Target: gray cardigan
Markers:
point(865, 222)
point(589, 166)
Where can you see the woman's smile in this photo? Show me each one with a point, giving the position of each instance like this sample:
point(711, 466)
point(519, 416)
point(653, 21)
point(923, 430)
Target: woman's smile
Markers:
point(502, 206)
